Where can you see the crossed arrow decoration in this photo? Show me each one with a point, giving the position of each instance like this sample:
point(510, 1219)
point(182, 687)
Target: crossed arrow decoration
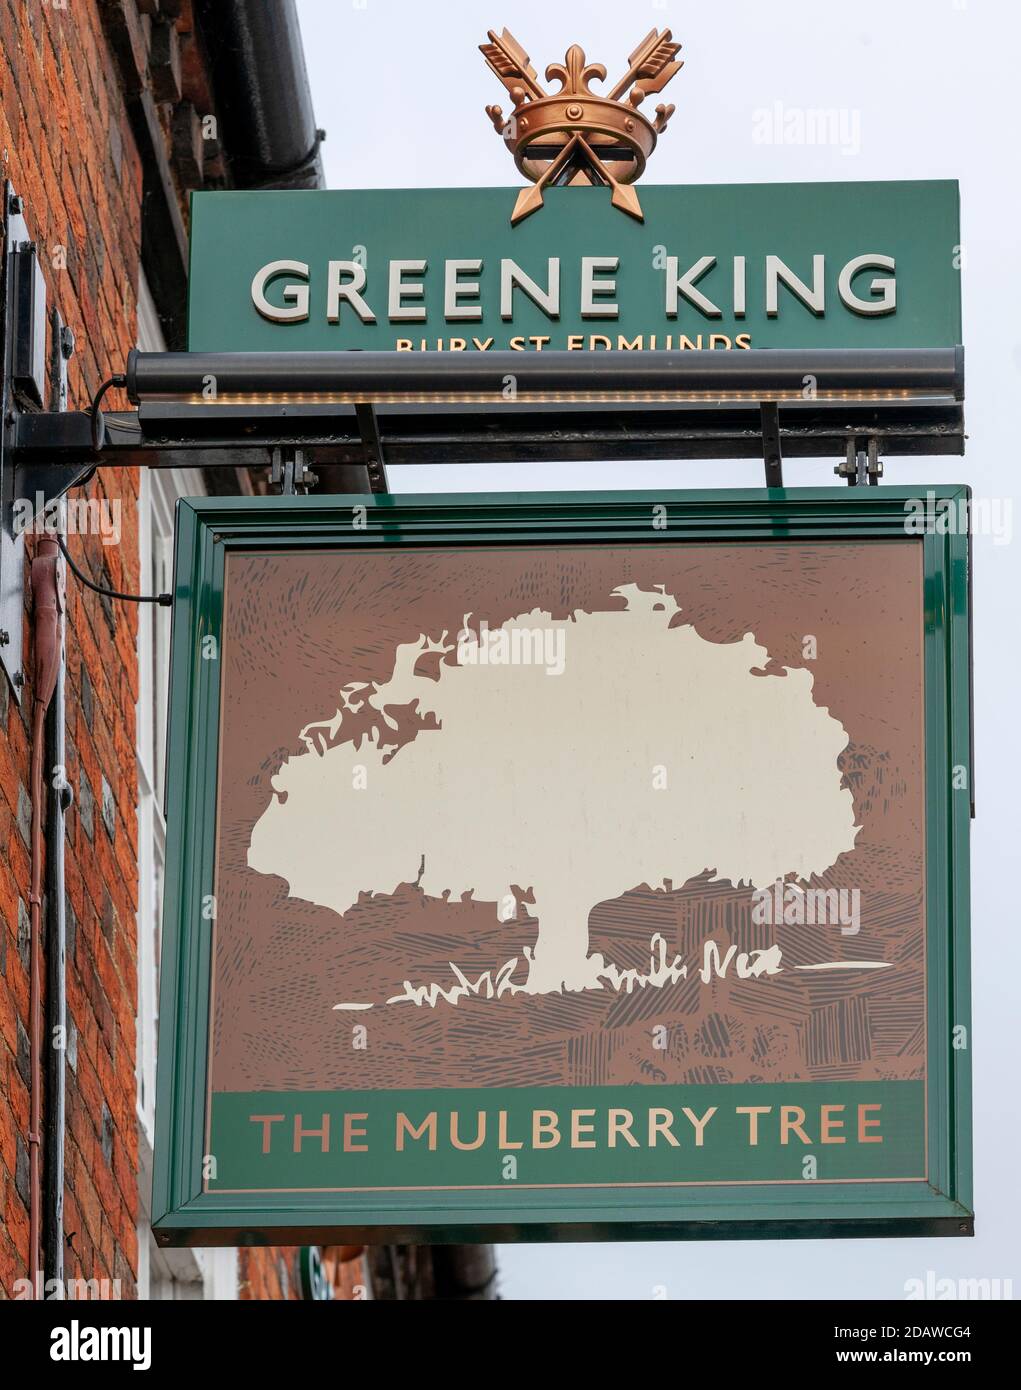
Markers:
point(580, 159)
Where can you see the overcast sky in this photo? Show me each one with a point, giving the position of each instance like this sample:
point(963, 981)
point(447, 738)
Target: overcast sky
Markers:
point(930, 86)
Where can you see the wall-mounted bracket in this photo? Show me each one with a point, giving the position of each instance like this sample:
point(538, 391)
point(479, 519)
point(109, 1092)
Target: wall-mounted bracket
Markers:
point(23, 361)
point(373, 410)
point(42, 483)
point(347, 411)
point(32, 388)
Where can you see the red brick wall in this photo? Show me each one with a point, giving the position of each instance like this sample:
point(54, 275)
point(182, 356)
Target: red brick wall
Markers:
point(273, 1273)
point(269, 1273)
point(67, 147)
point(68, 151)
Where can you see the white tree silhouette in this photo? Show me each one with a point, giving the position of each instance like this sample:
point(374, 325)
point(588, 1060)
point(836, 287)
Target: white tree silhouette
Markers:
point(654, 755)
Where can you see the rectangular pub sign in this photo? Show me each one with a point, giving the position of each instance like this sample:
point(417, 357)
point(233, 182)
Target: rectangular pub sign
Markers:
point(566, 867)
point(713, 267)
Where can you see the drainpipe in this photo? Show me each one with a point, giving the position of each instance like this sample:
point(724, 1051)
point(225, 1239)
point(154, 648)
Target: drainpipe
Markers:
point(262, 92)
point(270, 136)
point(47, 605)
point(56, 975)
point(425, 1273)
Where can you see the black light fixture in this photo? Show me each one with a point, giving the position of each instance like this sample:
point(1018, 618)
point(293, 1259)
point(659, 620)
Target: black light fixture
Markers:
point(160, 384)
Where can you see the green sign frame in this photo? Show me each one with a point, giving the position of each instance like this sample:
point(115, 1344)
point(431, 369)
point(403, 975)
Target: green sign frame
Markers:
point(209, 528)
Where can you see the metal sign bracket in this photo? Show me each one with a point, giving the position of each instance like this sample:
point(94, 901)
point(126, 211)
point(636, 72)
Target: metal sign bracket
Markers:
point(368, 428)
point(862, 466)
point(22, 349)
point(772, 454)
point(290, 473)
point(31, 387)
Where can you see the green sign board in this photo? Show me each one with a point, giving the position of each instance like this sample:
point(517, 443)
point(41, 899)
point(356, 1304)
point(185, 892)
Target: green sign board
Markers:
point(715, 267)
point(568, 867)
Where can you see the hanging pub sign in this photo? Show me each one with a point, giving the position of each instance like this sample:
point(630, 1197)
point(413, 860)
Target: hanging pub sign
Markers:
point(573, 867)
point(579, 866)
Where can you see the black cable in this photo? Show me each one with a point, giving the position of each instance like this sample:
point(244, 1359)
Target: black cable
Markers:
point(164, 600)
point(118, 379)
point(86, 477)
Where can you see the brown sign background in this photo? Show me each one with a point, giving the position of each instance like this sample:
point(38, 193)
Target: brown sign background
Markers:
point(300, 625)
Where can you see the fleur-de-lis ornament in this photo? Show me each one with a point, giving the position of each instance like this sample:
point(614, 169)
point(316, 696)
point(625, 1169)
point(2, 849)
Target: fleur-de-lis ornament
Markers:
point(575, 136)
point(574, 74)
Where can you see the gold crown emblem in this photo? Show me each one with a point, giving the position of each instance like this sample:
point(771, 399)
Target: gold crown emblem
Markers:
point(576, 136)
